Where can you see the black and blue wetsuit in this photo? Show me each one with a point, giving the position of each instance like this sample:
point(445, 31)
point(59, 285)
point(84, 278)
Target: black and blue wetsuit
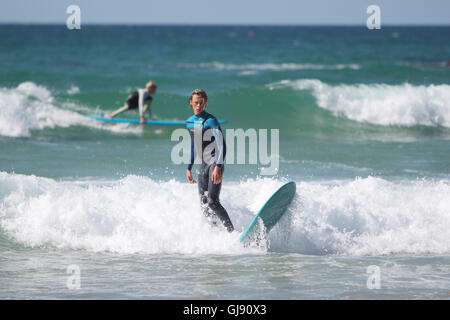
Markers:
point(207, 142)
point(141, 99)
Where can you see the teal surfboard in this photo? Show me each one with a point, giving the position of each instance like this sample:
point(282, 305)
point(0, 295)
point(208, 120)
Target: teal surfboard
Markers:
point(272, 210)
point(136, 121)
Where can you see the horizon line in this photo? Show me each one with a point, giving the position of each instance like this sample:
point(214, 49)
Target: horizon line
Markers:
point(227, 24)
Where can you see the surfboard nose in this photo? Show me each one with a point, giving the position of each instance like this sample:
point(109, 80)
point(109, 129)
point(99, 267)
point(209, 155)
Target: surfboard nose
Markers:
point(272, 211)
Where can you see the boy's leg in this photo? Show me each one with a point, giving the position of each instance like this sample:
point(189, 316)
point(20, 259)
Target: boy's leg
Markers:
point(118, 111)
point(202, 183)
point(213, 200)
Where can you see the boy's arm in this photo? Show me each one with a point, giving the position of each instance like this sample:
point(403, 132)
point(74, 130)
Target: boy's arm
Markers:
point(141, 103)
point(220, 150)
point(191, 160)
point(214, 125)
point(191, 163)
point(147, 107)
point(218, 161)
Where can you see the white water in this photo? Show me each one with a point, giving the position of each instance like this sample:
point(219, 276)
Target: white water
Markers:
point(381, 104)
point(368, 216)
point(31, 107)
point(268, 66)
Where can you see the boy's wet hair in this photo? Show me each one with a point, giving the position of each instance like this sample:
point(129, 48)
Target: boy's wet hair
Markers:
point(199, 92)
point(151, 84)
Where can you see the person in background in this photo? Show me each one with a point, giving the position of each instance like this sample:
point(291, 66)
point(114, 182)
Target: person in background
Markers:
point(141, 98)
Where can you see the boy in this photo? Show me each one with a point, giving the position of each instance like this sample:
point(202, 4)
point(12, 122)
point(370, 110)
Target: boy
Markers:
point(140, 98)
point(212, 152)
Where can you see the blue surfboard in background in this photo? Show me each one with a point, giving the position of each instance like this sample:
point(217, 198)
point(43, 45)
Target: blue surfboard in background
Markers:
point(136, 121)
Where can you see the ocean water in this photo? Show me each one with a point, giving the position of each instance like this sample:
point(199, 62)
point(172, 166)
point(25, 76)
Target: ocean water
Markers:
point(364, 130)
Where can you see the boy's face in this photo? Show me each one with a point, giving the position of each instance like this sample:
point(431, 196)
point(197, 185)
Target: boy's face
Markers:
point(198, 104)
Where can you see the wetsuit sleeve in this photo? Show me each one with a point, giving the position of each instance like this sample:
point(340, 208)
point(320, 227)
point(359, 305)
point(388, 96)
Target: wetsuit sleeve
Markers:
point(191, 160)
point(147, 107)
point(141, 102)
point(214, 125)
point(220, 150)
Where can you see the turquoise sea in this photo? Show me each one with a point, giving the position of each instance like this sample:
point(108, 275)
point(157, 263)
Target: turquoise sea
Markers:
point(364, 131)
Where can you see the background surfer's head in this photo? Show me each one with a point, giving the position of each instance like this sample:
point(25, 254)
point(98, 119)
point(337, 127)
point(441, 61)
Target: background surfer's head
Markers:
point(151, 87)
point(198, 100)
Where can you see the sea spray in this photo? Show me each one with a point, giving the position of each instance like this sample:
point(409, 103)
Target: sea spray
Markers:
point(365, 216)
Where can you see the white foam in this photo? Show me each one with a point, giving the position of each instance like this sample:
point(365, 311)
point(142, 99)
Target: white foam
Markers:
point(248, 68)
point(135, 214)
point(73, 90)
point(370, 216)
point(32, 107)
point(381, 104)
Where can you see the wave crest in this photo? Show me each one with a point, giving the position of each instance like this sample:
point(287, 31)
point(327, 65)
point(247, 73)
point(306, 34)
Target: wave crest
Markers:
point(253, 67)
point(30, 107)
point(380, 104)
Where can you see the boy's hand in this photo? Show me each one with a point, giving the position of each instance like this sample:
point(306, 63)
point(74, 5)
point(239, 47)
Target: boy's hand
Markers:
point(142, 120)
point(216, 175)
point(189, 176)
